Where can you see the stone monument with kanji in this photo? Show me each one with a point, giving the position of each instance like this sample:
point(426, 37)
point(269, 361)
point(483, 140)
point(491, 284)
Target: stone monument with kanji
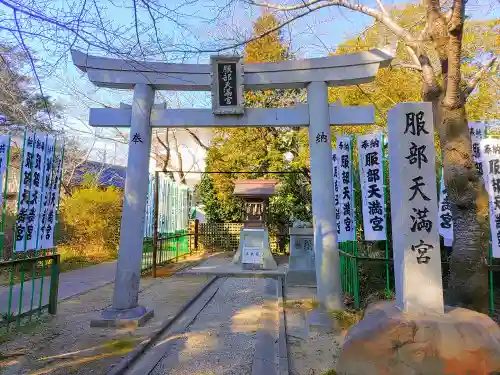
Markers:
point(254, 251)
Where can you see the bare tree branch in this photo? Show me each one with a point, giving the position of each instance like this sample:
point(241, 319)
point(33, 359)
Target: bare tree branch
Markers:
point(136, 25)
point(32, 63)
point(388, 21)
point(382, 8)
point(478, 76)
point(197, 139)
point(407, 66)
point(182, 175)
point(166, 146)
point(413, 56)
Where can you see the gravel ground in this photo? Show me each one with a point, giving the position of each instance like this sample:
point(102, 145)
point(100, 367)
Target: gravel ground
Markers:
point(65, 344)
point(309, 353)
point(221, 339)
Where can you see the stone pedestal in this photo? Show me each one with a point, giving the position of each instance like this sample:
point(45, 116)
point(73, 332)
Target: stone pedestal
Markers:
point(301, 269)
point(391, 342)
point(254, 251)
point(127, 318)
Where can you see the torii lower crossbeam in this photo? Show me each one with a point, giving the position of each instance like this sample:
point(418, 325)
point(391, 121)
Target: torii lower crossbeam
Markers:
point(297, 116)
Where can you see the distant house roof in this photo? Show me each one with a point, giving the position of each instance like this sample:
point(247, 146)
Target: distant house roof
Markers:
point(255, 188)
point(109, 175)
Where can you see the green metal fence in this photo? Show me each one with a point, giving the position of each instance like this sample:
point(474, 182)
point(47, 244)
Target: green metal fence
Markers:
point(31, 290)
point(367, 269)
point(29, 273)
point(366, 277)
point(168, 249)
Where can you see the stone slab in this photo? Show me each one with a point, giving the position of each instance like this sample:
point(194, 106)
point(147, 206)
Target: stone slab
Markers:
point(318, 320)
point(300, 278)
point(230, 269)
point(301, 231)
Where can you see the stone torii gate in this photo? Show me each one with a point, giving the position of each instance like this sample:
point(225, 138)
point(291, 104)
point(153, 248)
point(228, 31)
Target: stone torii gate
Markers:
point(145, 77)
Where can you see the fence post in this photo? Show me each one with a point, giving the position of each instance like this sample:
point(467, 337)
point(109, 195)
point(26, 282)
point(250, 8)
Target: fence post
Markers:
point(54, 284)
point(177, 248)
point(196, 234)
point(155, 223)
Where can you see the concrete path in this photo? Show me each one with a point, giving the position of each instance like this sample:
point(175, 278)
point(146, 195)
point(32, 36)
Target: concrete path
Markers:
point(232, 329)
point(223, 267)
point(71, 283)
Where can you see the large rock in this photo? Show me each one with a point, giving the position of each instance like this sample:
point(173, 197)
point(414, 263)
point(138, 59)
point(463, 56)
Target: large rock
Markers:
point(389, 342)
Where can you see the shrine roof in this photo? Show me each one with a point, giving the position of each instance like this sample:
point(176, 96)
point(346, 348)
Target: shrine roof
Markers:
point(255, 188)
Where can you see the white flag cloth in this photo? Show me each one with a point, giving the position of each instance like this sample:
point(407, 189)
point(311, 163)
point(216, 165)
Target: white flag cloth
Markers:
point(371, 174)
point(444, 215)
point(347, 216)
point(490, 156)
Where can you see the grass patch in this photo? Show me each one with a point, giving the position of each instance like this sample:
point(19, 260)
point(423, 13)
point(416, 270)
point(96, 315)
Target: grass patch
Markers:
point(346, 318)
point(70, 260)
point(120, 346)
point(330, 372)
point(306, 304)
point(26, 328)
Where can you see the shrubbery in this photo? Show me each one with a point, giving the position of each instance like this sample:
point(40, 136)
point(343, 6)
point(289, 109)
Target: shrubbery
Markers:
point(90, 222)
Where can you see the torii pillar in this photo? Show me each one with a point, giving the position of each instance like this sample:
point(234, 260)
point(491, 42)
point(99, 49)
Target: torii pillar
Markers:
point(144, 77)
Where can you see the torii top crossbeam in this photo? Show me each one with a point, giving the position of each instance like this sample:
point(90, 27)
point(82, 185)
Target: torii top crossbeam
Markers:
point(341, 70)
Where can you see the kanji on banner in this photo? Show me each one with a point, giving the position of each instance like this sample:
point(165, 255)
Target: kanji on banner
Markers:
point(372, 186)
point(24, 192)
point(444, 215)
point(4, 160)
point(47, 235)
point(336, 190)
point(490, 155)
point(477, 134)
point(46, 190)
point(36, 191)
point(347, 219)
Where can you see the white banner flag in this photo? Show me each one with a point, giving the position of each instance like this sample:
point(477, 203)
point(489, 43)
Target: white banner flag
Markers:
point(490, 155)
point(47, 235)
point(372, 186)
point(444, 215)
point(477, 134)
point(46, 190)
point(336, 190)
point(347, 219)
point(24, 191)
point(35, 202)
point(4, 154)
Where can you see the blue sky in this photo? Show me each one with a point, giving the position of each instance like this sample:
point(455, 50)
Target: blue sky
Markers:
point(197, 24)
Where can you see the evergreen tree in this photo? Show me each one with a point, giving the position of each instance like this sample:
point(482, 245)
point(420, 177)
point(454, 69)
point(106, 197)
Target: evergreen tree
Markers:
point(259, 149)
point(20, 99)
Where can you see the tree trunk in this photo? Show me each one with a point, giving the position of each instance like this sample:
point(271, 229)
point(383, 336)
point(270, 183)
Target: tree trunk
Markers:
point(468, 280)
